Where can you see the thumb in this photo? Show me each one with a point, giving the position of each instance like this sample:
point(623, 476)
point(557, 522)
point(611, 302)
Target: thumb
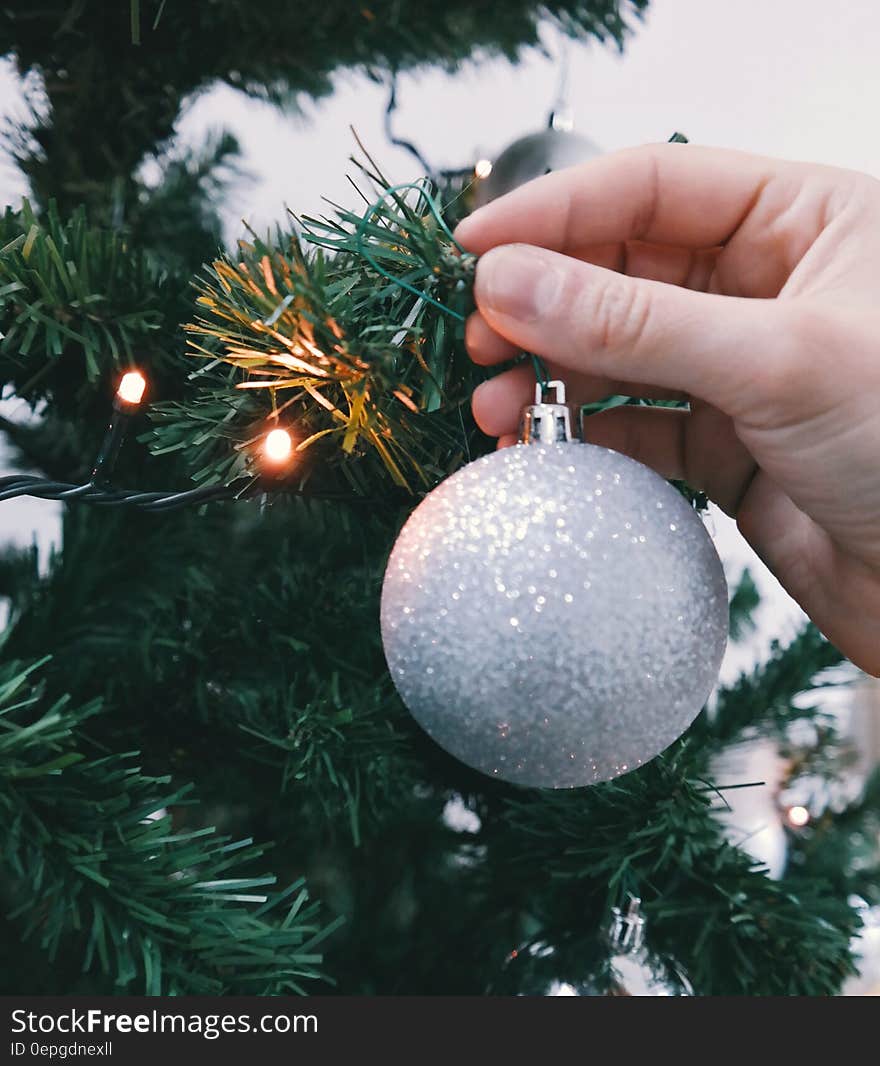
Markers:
point(589, 319)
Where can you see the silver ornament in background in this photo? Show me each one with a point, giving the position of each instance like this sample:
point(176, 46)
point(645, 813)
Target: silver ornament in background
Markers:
point(554, 614)
point(529, 157)
point(632, 969)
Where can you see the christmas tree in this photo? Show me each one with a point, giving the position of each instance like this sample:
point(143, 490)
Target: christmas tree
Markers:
point(209, 782)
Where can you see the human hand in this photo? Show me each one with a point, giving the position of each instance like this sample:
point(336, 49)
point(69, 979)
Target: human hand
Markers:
point(750, 287)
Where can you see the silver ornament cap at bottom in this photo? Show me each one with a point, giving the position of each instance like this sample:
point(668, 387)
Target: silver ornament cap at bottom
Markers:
point(554, 615)
point(633, 970)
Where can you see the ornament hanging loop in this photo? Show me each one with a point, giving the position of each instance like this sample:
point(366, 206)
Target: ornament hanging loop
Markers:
point(544, 422)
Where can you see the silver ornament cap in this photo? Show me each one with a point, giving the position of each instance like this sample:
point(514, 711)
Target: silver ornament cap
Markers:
point(627, 930)
point(546, 423)
point(633, 969)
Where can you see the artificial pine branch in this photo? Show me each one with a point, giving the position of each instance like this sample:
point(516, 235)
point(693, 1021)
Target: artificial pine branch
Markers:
point(92, 859)
point(51, 445)
point(743, 603)
point(177, 218)
point(362, 368)
point(76, 302)
point(710, 906)
point(842, 846)
point(298, 714)
point(767, 699)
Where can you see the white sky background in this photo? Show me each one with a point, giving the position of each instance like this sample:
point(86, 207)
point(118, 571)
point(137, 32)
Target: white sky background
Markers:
point(792, 78)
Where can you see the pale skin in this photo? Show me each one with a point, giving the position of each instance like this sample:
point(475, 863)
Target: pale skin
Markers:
point(748, 286)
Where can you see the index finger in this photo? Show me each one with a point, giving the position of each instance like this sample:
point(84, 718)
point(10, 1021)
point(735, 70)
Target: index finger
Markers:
point(680, 194)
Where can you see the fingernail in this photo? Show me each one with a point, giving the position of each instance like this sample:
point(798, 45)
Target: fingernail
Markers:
point(518, 281)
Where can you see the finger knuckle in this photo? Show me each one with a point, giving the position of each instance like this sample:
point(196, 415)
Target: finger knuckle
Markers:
point(616, 314)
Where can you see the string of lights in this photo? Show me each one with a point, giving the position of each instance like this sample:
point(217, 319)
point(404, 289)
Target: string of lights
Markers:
point(277, 451)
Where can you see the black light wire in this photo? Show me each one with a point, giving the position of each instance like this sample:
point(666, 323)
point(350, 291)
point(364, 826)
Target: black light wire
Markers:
point(42, 488)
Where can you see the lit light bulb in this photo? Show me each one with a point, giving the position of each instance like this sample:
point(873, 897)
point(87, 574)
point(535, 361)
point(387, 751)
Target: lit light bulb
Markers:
point(131, 388)
point(129, 393)
point(562, 121)
point(483, 168)
point(798, 816)
point(277, 446)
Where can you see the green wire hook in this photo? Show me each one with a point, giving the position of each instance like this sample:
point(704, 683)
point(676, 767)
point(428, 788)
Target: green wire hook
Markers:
point(434, 209)
point(541, 374)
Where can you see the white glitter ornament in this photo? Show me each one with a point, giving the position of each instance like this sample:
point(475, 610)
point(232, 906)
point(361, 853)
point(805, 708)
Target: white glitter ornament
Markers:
point(554, 614)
